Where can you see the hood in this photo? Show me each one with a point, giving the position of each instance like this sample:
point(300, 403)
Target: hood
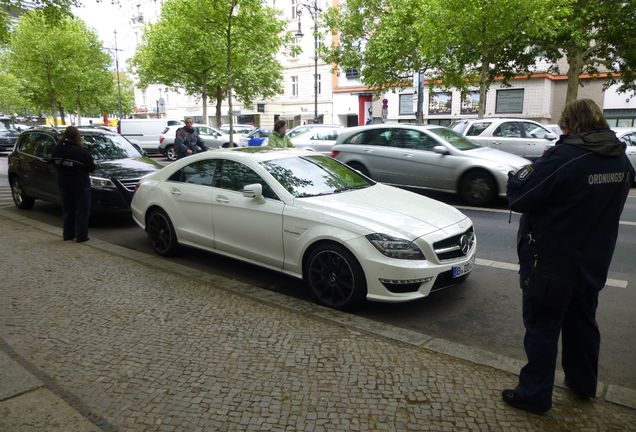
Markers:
point(388, 210)
point(497, 156)
point(125, 168)
point(601, 141)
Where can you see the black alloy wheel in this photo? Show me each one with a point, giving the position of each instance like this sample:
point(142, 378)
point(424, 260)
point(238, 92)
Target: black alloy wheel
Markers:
point(161, 233)
point(335, 277)
point(359, 167)
point(171, 153)
point(477, 188)
point(21, 200)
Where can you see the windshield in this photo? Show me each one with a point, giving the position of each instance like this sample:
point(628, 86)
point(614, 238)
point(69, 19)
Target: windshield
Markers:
point(453, 138)
point(315, 175)
point(110, 147)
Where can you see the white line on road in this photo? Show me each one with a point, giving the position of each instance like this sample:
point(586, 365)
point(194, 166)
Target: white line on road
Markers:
point(492, 210)
point(617, 283)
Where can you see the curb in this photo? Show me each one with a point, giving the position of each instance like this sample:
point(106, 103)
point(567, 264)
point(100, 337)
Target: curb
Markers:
point(608, 392)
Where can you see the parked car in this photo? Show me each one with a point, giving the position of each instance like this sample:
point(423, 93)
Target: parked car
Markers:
point(145, 132)
point(212, 137)
point(8, 136)
point(429, 157)
point(522, 137)
point(555, 129)
point(319, 139)
point(239, 129)
point(304, 128)
point(119, 166)
point(257, 137)
point(311, 217)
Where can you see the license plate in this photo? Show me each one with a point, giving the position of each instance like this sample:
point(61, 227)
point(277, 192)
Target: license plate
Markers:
point(461, 270)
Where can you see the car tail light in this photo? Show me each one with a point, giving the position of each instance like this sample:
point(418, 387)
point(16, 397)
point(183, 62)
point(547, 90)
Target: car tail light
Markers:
point(161, 138)
point(334, 153)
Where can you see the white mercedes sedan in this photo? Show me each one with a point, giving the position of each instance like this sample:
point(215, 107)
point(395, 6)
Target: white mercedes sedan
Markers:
point(309, 216)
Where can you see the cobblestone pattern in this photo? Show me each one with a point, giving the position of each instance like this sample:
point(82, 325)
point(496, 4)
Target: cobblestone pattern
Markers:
point(152, 351)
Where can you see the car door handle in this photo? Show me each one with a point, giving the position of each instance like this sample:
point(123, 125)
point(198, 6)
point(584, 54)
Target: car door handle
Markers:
point(369, 151)
point(496, 142)
point(175, 192)
point(222, 200)
point(408, 155)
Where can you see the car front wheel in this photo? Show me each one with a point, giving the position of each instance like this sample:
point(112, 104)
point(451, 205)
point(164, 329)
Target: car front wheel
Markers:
point(21, 200)
point(171, 153)
point(477, 188)
point(335, 277)
point(161, 234)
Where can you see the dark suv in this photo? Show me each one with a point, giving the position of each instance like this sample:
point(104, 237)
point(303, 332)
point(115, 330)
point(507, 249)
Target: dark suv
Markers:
point(119, 166)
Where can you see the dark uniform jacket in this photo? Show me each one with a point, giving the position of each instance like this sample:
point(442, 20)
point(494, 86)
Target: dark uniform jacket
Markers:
point(73, 164)
point(571, 199)
point(188, 139)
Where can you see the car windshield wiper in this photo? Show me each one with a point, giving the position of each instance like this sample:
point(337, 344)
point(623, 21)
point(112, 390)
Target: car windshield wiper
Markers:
point(348, 188)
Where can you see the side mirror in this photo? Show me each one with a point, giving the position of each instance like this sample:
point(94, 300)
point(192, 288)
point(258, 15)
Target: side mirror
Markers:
point(253, 191)
point(550, 136)
point(441, 150)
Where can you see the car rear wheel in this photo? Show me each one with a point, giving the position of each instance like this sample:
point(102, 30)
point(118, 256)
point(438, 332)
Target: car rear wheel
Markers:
point(21, 200)
point(171, 153)
point(335, 277)
point(161, 234)
point(477, 188)
point(359, 167)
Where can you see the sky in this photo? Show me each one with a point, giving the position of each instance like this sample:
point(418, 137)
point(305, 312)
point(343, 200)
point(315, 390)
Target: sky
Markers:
point(109, 15)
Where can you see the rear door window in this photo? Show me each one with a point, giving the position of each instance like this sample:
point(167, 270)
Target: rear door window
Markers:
point(45, 145)
point(412, 139)
point(375, 137)
point(201, 173)
point(477, 128)
point(508, 130)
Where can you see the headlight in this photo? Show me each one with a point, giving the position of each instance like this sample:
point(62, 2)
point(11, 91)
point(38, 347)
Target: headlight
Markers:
point(395, 247)
point(102, 183)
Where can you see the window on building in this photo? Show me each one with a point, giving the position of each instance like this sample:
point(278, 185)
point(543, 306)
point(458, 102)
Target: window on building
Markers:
point(406, 104)
point(352, 73)
point(509, 101)
point(294, 89)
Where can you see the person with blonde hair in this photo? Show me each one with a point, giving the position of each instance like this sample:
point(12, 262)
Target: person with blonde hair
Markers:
point(571, 200)
point(74, 163)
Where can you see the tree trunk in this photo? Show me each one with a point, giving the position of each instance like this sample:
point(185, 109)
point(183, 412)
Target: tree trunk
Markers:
point(52, 100)
point(229, 73)
point(575, 66)
point(419, 113)
point(483, 77)
point(219, 101)
point(204, 101)
point(62, 113)
point(79, 108)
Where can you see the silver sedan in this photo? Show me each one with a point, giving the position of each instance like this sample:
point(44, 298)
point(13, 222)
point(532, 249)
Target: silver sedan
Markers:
point(428, 157)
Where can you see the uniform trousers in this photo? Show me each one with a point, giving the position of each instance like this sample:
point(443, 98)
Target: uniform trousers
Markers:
point(76, 205)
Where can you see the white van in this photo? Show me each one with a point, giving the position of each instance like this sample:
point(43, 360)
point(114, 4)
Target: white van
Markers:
point(145, 132)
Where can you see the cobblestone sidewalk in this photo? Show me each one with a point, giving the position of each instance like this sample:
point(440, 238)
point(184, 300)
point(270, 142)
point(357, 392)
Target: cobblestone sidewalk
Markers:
point(115, 343)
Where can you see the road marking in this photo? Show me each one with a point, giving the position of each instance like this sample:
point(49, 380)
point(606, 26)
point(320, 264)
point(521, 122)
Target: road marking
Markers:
point(492, 210)
point(6, 200)
point(617, 283)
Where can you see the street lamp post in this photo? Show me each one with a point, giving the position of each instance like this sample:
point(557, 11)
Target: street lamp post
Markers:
point(313, 10)
point(117, 71)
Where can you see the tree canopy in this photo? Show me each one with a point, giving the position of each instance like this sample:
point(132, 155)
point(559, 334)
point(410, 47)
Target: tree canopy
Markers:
point(214, 49)
point(61, 65)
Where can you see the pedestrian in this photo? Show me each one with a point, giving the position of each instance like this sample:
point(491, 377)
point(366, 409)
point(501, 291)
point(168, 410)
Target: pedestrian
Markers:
point(74, 163)
point(188, 141)
point(278, 137)
point(571, 200)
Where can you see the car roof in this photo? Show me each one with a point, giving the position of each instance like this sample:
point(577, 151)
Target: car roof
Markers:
point(258, 154)
point(83, 130)
point(623, 129)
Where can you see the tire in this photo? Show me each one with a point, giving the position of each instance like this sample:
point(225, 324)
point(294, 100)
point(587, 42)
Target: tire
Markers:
point(171, 153)
point(335, 277)
point(477, 188)
point(359, 167)
point(161, 234)
point(21, 200)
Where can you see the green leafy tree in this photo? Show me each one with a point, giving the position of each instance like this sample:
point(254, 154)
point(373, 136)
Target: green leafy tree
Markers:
point(11, 98)
point(593, 36)
point(214, 48)
point(53, 9)
point(459, 43)
point(61, 65)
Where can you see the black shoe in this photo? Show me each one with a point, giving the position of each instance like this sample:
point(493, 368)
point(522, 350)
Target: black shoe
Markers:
point(580, 395)
point(511, 398)
point(69, 238)
point(83, 240)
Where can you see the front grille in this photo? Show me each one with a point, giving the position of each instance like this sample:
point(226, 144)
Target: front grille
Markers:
point(129, 184)
point(445, 280)
point(451, 247)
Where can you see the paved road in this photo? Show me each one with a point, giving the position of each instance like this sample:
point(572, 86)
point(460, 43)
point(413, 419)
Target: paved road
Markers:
point(483, 312)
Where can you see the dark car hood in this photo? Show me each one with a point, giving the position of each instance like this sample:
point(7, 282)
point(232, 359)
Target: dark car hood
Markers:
point(125, 168)
point(9, 133)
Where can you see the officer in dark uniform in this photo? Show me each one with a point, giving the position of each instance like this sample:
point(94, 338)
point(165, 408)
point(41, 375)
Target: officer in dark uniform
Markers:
point(571, 199)
point(74, 163)
point(188, 141)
